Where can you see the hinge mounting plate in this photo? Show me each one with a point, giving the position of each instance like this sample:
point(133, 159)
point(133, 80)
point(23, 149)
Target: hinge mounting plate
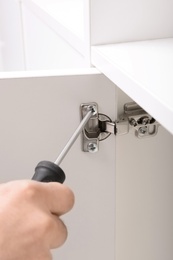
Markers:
point(137, 119)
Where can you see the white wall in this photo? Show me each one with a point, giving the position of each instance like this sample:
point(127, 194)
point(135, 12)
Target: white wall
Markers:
point(11, 35)
point(44, 48)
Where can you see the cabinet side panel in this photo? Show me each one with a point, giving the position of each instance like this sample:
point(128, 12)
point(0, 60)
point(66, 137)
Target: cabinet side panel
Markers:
point(144, 192)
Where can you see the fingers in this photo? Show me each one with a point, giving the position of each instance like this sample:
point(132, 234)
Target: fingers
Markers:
point(41, 255)
point(58, 198)
point(35, 224)
point(58, 232)
point(51, 231)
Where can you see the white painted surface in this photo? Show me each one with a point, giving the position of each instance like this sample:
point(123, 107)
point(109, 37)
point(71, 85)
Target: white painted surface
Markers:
point(69, 13)
point(115, 21)
point(64, 17)
point(48, 73)
point(1, 57)
point(11, 36)
point(139, 204)
point(144, 71)
point(38, 115)
point(144, 192)
point(127, 187)
point(45, 49)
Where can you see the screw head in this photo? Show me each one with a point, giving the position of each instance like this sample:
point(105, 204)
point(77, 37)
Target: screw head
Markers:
point(143, 130)
point(92, 148)
point(133, 122)
point(145, 120)
point(93, 108)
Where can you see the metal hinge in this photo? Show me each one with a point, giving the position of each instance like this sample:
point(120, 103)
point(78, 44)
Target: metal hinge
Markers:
point(100, 126)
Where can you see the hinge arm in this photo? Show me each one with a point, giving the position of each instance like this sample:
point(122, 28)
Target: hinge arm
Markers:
point(110, 127)
point(118, 128)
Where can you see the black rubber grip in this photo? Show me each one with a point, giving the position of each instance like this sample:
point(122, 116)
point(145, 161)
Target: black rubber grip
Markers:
point(46, 171)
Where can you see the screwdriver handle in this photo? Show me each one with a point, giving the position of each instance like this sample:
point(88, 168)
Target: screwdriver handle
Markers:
point(46, 171)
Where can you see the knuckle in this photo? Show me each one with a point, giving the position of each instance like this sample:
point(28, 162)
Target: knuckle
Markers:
point(27, 190)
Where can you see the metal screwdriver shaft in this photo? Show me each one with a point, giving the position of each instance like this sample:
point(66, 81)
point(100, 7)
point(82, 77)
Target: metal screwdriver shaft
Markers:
point(46, 171)
point(74, 137)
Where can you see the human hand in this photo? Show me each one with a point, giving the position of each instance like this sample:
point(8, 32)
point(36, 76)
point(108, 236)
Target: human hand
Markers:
point(29, 219)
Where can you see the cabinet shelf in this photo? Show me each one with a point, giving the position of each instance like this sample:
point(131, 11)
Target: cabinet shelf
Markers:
point(65, 17)
point(144, 70)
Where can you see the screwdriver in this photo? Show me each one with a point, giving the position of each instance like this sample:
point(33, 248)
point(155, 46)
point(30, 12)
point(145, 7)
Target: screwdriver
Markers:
point(47, 171)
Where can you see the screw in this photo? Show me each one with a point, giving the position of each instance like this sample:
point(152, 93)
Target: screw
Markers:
point(93, 108)
point(133, 122)
point(92, 148)
point(145, 120)
point(143, 130)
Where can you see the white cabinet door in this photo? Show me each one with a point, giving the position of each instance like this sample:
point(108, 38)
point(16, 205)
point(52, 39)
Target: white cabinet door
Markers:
point(124, 192)
point(38, 114)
